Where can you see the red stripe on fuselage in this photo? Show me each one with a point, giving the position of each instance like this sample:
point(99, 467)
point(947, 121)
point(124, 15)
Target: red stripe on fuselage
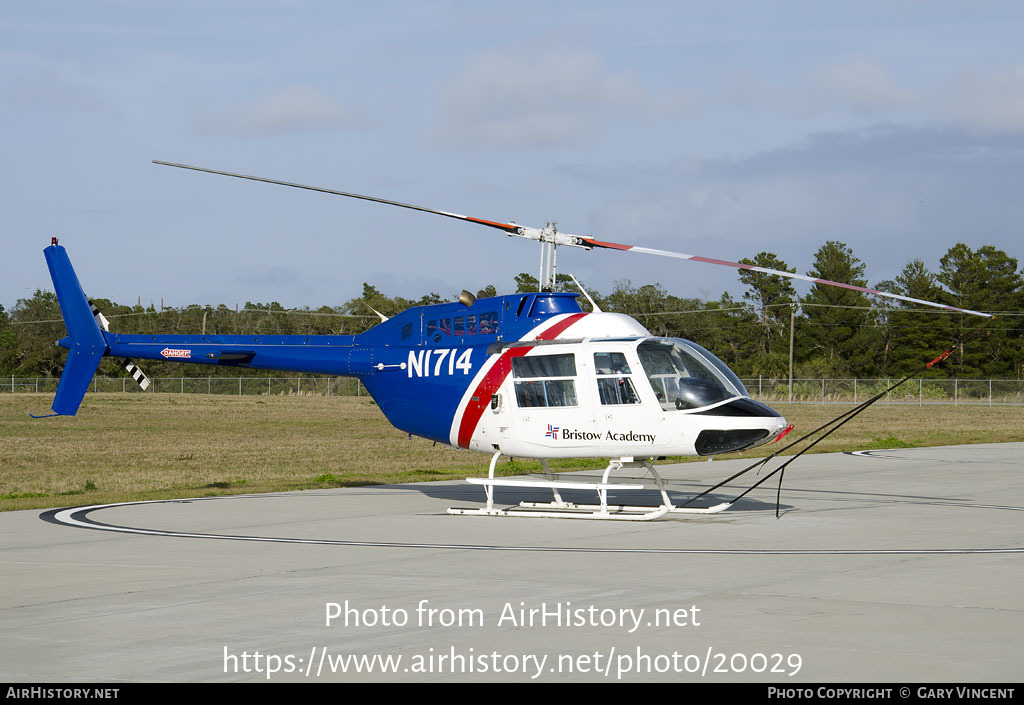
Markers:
point(481, 397)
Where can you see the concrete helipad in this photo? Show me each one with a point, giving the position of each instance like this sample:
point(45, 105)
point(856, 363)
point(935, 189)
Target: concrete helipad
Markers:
point(898, 566)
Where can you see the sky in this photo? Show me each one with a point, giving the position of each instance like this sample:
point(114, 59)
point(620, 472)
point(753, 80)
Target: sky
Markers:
point(718, 129)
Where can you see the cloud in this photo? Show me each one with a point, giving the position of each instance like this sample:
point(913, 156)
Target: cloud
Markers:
point(50, 85)
point(864, 85)
point(291, 109)
point(892, 193)
point(534, 97)
point(990, 100)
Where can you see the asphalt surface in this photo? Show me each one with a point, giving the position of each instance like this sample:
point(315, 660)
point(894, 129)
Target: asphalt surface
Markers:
point(894, 566)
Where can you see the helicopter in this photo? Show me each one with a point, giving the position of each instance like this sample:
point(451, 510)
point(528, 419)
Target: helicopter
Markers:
point(528, 375)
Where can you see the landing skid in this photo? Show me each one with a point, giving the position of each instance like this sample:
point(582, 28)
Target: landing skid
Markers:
point(560, 509)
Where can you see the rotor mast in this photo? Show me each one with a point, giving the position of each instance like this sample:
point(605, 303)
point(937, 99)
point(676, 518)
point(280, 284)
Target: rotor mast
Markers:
point(548, 256)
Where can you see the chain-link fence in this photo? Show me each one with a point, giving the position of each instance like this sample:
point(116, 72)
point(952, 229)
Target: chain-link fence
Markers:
point(305, 385)
point(815, 391)
point(914, 391)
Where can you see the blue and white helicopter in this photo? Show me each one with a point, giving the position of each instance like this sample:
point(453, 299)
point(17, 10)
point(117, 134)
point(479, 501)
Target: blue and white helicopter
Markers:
point(523, 375)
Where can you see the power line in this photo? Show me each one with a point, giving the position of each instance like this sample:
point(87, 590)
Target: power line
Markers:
point(754, 309)
point(750, 308)
point(179, 310)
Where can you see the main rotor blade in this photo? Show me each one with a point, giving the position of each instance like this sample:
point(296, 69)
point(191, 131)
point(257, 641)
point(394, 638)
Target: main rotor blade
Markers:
point(792, 275)
point(550, 235)
point(511, 228)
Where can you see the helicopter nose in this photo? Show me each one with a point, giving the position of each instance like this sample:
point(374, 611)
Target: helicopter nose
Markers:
point(739, 425)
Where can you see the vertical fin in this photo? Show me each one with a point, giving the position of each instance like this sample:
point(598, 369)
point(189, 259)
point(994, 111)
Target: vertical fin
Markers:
point(85, 343)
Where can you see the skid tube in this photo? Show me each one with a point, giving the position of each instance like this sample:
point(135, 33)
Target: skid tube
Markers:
point(558, 508)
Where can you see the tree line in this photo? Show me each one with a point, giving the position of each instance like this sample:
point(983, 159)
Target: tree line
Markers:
point(835, 332)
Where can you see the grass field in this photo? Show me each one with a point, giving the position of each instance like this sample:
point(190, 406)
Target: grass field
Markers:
point(124, 447)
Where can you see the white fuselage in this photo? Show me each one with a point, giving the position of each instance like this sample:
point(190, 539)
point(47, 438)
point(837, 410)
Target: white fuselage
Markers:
point(617, 395)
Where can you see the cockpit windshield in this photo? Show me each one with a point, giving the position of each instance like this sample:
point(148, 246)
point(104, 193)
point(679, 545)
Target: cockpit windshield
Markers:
point(686, 376)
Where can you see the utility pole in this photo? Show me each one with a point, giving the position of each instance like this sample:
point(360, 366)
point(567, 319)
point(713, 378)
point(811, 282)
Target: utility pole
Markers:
point(792, 312)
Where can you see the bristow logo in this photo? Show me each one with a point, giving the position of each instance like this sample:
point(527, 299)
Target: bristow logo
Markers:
point(572, 434)
point(170, 352)
point(552, 432)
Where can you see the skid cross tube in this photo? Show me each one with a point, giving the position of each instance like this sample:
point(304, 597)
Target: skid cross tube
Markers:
point(561, 509)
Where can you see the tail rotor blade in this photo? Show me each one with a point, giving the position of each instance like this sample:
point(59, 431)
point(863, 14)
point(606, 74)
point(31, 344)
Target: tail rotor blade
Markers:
point(101, 320)
point(137, 374)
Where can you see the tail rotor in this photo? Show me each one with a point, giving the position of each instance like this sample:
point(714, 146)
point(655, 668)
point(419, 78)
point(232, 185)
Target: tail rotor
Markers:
point(137, 374)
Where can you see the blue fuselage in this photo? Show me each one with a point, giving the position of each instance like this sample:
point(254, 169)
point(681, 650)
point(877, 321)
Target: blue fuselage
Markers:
point(422, 358)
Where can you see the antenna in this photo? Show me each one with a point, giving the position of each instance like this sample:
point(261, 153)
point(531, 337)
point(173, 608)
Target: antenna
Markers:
point(382, 317)
point(597, 309)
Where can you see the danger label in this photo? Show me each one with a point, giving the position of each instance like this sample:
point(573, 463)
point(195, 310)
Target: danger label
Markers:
point(171, 352)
